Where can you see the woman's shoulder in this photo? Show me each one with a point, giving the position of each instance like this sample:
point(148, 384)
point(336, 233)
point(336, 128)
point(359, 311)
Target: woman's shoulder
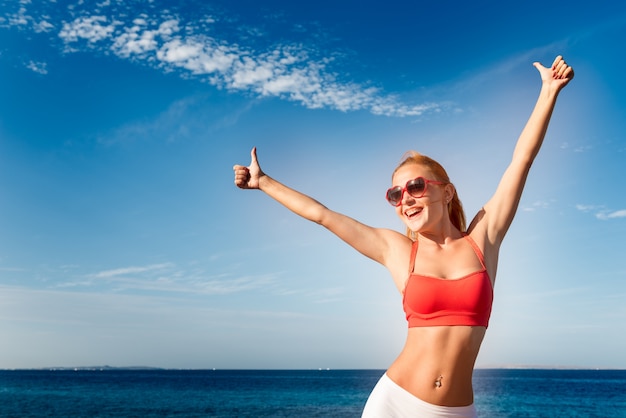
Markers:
point(397, 252)
point(395, 239)
point(478, 231)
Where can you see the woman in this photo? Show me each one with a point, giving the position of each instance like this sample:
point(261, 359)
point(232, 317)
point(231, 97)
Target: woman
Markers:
point(444, 272)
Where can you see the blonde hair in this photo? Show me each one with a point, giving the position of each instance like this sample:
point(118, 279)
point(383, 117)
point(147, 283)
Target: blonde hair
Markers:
point(455, 208)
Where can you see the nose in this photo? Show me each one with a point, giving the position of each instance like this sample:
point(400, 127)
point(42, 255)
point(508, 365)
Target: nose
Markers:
point(407, 199)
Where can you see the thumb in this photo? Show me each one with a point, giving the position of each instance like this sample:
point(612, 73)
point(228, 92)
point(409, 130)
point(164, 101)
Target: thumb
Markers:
point(538, 65)
point(253, 158)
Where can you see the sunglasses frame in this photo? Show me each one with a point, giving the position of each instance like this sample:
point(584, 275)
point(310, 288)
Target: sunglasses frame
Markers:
point(406, 189)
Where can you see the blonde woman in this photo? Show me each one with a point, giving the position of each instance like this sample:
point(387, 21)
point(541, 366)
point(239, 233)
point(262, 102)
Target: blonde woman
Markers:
point(444, 271)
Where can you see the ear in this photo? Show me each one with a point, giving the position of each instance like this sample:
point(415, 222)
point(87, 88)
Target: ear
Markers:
point(449, 192)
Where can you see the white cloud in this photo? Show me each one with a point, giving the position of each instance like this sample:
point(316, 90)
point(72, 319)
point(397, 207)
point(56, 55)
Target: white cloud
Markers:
point(43, 26)
point(587, 208)
point(577, 149)
point(601, 212)
point(92, 29)
point(611, 215)
point(134, 42)
point(249, 72)
point(131, 270)
point(20, 18)
point(200, 56)
point(235, 285)
point(288, 71)
point(38, 67)
point(166, 279)
point(540, 204)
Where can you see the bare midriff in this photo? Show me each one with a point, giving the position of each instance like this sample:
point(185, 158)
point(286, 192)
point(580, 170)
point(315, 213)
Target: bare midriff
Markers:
point(436, 364)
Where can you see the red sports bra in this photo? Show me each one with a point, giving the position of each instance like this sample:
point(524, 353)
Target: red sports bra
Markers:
point(432, 301)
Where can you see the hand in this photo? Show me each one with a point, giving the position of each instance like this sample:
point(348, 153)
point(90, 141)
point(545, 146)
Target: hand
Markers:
point(557, 76)
point(248, 177)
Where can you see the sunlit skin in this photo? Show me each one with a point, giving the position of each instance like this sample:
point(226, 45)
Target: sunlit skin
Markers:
point(431, 352)
point(437, 362)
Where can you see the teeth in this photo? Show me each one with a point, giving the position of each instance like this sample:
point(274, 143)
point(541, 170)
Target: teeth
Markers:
point(412, 212)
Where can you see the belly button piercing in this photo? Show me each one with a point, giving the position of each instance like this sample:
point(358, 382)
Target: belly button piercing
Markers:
point(438, 382)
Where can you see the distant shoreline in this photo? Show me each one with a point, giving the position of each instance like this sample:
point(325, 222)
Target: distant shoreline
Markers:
point(152, 368)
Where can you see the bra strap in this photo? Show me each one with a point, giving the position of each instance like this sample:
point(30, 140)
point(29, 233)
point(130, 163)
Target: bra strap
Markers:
point(413, 253)
point(479, 253)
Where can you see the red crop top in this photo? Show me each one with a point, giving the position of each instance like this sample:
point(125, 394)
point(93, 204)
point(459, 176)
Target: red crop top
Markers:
point(432, 301)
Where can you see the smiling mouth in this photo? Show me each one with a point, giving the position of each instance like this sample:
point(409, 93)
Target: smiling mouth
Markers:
point(413, 212)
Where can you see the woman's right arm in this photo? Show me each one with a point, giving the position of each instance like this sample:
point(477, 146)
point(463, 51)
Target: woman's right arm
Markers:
point(371, 242)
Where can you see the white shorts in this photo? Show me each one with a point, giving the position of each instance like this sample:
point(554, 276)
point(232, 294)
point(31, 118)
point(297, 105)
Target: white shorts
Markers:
point(388, 400)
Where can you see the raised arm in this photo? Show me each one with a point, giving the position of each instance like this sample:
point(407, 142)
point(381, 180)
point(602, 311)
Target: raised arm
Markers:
point(497, 215)
point(371, 242)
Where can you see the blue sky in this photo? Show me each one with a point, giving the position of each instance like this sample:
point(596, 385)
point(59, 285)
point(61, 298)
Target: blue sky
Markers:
point(124, 241)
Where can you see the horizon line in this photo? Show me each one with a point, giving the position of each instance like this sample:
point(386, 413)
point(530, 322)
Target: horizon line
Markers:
point(156, 368)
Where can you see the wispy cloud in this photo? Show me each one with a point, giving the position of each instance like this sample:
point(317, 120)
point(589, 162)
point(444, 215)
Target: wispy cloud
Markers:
point(12, 269)
point(611, 215)
point(578, 148)
point(601, 212)
point(37, 67)
point(166, 278)
point(130, 270)
point(176, 122)
point(92, 29)
point(168, 42)
point(540, 204)
point(170, 280)
point(506, 66)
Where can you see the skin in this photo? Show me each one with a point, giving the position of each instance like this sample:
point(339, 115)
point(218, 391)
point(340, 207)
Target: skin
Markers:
point(444, 354)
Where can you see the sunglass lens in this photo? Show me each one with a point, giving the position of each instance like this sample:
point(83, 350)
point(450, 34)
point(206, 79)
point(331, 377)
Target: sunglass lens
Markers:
point(416, 187)
point(394, 196)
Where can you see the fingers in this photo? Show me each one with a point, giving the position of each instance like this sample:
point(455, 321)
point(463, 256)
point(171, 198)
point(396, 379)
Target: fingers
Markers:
point(242, 175)
point(248, 177)
point(560, 69)
point(557, 60)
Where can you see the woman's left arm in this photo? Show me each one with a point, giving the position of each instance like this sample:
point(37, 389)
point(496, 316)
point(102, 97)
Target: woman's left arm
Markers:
point(498, 212)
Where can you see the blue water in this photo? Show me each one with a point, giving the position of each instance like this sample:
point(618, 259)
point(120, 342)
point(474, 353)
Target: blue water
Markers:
point(290, 393)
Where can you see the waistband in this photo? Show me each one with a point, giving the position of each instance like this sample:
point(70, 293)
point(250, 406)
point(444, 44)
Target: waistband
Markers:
point(388, 399)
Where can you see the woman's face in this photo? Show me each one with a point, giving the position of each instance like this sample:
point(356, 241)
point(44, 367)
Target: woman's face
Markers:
point(420, 213)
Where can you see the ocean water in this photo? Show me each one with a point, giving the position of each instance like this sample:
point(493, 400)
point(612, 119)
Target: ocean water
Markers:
point(290, 393)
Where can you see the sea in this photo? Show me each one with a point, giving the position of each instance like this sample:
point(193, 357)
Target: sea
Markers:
point(110, 392)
